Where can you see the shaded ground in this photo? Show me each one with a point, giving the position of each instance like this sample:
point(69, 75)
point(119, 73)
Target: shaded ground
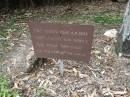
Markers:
point(105, 76)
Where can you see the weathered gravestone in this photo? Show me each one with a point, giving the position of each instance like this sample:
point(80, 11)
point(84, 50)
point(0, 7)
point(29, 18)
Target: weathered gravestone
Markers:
point(62, 41)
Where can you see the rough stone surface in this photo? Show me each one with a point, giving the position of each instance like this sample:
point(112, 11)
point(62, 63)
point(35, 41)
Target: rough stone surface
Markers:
point(17, 59)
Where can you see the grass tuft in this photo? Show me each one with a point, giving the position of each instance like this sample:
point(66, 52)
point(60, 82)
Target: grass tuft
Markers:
point(5, 90)
point(108, 18)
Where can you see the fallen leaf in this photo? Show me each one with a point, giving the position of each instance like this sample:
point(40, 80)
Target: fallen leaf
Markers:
point(93, 94)
point(120, 92)
point(83, 75)
point(75, 71)
point(75, 94)
point(107, 49)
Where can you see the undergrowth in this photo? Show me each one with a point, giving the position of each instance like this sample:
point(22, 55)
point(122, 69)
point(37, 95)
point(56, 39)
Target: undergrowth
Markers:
point(5, 90)
point(107, 18)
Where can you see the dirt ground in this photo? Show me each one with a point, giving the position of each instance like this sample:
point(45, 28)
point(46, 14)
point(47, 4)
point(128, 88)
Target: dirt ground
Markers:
point(107, 75)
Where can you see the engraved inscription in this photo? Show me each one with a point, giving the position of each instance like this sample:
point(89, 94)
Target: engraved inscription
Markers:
point(62, 41)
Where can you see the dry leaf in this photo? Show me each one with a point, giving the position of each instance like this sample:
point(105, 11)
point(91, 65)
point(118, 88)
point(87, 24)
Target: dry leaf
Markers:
point(75, 71)
point(83, 75)
point(13, 61)
point(93, 94)
point(119, 92)
point(66, 81)
point(16, 84)
point(52, 92)
point(75, 94)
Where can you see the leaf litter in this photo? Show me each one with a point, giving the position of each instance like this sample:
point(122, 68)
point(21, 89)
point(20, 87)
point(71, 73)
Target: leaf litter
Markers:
point(104, 76)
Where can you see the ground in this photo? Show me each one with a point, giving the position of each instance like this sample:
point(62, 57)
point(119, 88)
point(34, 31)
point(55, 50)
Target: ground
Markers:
point(106, 75)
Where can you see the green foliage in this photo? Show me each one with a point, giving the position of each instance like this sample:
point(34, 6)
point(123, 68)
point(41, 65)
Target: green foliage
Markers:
point(73, 17)
point(42, 90)
point(5, 90)
point(107, 18)
point(3, 34)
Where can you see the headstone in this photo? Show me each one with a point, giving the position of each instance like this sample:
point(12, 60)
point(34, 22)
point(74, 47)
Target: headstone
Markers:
point(62, 41)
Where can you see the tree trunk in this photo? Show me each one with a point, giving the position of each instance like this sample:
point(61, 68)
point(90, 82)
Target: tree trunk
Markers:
point(123, 40)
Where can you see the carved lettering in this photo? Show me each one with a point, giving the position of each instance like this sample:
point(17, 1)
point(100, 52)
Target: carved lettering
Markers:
point(63, 41)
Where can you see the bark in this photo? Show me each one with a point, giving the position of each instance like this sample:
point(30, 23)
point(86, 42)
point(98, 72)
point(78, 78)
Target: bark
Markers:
point(123, 40)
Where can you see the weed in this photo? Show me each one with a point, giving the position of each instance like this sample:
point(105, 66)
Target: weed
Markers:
point(5, 90)
point(107, 18)
point(42, 90)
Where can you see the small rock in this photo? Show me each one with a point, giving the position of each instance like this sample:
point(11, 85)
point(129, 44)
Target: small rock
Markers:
point(111, 33)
